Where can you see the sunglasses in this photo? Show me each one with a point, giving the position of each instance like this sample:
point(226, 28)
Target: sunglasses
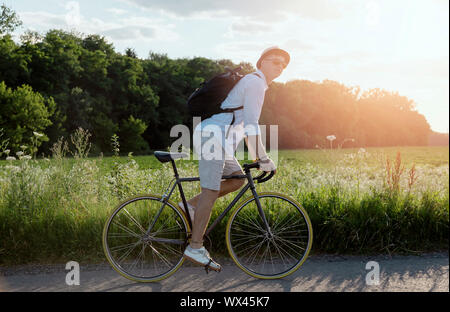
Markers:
point(277, 62)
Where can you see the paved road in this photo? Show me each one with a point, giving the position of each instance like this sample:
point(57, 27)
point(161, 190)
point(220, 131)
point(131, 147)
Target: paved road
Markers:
point(319, 274)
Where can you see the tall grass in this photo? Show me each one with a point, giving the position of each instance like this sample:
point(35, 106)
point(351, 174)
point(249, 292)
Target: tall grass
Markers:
point(359, 201)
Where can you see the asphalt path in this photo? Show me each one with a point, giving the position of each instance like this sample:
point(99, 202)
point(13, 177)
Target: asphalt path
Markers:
point(325, 273)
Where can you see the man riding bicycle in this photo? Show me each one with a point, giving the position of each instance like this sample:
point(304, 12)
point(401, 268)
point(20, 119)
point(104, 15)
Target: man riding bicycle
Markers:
point(226, 130)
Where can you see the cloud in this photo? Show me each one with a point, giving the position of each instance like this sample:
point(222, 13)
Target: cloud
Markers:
point(42, 19)
point(243, 27)
point(116, 11)
point(250, 28)
point(130, 33)
point(418, 72)
point(73, 17)
point(351, 57)
point(250, 51)
point(267, 11)
point(297, 45)
point(154, 28)
point(241, 51)
point(129, 28)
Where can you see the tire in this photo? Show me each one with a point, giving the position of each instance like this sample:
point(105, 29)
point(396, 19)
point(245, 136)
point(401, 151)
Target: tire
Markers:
point(251, 247)
point(136, 255)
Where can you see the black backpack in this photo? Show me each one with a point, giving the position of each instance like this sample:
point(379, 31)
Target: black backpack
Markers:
point(205, 101)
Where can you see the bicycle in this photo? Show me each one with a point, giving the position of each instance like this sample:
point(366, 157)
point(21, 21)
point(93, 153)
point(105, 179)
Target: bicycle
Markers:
point(268, 235)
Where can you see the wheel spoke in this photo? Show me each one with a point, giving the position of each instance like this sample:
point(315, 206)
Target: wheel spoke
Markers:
point(260, 253)
point(134, 220)
point(245, 241)
point(132, 251)
point(123, 227)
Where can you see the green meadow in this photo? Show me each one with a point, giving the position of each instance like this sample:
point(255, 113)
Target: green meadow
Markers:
point(360, 201)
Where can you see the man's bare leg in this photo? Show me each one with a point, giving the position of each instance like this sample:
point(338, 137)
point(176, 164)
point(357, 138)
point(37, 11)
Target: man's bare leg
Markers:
point(203, 210)
point(226, 187)
point(204, 203)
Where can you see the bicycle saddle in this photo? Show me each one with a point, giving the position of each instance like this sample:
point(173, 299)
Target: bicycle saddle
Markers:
point(168, 156)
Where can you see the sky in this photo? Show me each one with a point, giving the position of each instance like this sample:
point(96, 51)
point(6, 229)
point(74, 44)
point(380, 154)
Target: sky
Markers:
point(400, 46)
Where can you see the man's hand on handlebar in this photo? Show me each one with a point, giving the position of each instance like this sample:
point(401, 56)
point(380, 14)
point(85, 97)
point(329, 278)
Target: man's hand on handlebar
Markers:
point(267, 165)
point(258, 151)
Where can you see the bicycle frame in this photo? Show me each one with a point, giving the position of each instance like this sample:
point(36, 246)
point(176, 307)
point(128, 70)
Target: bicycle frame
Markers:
point(250, 185)
point(145, 238)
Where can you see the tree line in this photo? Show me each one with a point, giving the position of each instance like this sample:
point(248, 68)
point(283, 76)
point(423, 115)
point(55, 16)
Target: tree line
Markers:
point(308, 112)
point(56, 82)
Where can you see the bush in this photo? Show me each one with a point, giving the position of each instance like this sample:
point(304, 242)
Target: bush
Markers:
point(23, 113)
point(54, 210)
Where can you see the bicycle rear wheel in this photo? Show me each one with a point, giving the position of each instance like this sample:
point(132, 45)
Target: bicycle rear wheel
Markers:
point(260, 254)
point(137, 253)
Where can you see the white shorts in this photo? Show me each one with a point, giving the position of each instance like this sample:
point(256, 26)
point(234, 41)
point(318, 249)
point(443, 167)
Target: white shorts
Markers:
point(212, 164)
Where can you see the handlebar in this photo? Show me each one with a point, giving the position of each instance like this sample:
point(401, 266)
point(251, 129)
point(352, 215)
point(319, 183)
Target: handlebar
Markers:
point(262, 177)
point(252, 165)
point(271, 174)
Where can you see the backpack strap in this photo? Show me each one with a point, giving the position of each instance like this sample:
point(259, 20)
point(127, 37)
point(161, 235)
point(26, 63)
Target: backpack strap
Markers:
point(231, 110)
point(232, 121)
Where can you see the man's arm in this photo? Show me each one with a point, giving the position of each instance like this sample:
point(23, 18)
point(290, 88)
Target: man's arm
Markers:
point(258, 151)
point(255, 147)
point(253, 102)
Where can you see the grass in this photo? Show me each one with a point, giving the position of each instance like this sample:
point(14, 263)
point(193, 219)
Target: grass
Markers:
point(54, 210)
point(420, 155)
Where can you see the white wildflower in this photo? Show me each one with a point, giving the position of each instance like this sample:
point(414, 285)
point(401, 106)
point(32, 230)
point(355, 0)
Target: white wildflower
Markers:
point(331, 138)
point(23, 147)
point(7, 151)
point(20, 153)
point(37, 134)
point(10, 158)
point(26, 157)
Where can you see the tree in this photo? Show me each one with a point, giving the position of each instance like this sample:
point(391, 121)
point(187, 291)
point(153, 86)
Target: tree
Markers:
point(130, 52)
point(22, 113)
point(84, 82)
point(131, 91)
point(131, 131)
point(9, 20)
point(13, 63)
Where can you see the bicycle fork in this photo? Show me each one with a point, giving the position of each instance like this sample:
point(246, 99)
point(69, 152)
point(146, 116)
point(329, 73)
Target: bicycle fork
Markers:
point(258, 204)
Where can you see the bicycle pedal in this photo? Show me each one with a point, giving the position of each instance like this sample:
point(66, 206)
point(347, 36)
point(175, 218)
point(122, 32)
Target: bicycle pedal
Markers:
point(207, 269)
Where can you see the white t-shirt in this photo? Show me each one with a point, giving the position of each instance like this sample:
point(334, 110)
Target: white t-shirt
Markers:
point(248, 92)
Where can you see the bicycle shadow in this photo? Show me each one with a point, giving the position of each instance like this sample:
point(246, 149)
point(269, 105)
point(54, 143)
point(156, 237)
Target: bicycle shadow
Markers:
point(281, 286)
point(339, 274)
point(153, 287)
point(351, 276)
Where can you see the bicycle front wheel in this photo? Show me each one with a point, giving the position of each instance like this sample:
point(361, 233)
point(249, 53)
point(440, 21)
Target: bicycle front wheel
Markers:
point(144, 240)
point(275, 254)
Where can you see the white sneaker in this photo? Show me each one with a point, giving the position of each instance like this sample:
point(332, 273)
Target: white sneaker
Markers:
point(191, 210)
point(201, 256)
